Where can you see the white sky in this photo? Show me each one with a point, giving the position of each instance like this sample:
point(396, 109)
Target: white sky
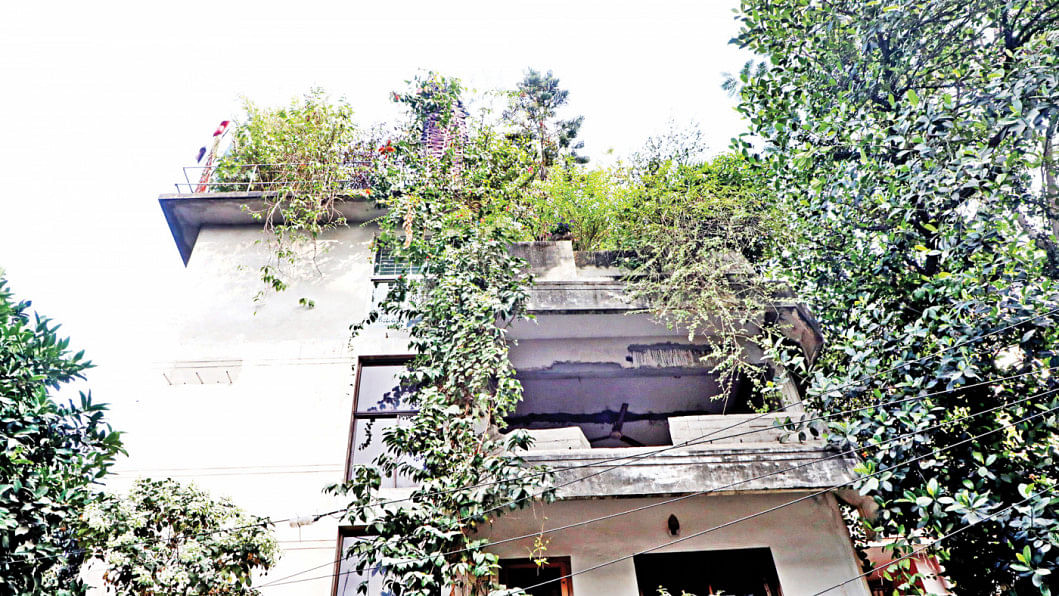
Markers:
point(101, 103)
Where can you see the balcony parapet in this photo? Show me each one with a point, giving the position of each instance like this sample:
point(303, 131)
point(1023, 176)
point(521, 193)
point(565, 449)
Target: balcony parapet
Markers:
point(187, 213)
point(732, 429)
point(751, 462)
point(569, 282)
point(580, 296)
point(727, 468)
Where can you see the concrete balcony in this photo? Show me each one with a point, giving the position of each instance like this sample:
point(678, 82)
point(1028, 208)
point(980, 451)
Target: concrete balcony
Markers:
point(651, 472)
point(694, 463)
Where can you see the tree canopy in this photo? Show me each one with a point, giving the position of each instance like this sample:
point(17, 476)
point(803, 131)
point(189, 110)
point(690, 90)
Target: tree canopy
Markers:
point(533, 109)
point(908, 146)
point(167, 538)
point(53, 456)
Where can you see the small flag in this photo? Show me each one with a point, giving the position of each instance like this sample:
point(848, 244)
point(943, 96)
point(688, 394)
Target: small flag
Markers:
point(208, 168)
point(202, 152)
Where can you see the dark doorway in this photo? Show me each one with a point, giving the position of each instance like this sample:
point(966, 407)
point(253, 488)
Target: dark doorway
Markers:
point(523, 573)
point(743, 572)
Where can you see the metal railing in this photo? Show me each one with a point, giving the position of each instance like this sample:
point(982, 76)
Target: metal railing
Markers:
point(265, 176)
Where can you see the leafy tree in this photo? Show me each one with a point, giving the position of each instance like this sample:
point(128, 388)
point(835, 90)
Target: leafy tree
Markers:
point(53, 454)
point(167, 538)
point(584, 200)
point(683, 144)
point(901, 143)
point(533, 108)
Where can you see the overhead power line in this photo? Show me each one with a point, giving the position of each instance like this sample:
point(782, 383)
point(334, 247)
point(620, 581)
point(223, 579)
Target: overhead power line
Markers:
point(934, 453)
point(713, 490)
point(281, 581)
point(935, 542)
point(697, 440)
point(707, 437)
point(711, 436)
point(794, 502)
point(703, 438)
point(278, 470)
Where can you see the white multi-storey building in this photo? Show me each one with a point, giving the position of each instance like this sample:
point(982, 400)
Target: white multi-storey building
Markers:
point(262, 401)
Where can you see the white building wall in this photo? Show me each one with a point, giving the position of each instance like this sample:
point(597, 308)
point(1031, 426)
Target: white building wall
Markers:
point(809, 541)
point(253, 402)
point(274, 436)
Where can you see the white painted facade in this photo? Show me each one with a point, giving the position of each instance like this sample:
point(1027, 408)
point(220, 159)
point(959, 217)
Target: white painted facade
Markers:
point(275, 435)
point(808, 541)
point(255, 399)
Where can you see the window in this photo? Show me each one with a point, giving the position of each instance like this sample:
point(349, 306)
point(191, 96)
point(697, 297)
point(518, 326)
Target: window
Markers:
point(379, 402)
point(387, 270)
point(387, 265)
point(523, 573)
point(743, 572)
point(347, 580)
point(378, 294)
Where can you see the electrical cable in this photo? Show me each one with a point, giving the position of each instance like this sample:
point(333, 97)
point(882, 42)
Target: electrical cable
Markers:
point(278, 470)
point(935, 542)
point(264, 522)
point(989, 382)
point(717, 489)
point(801, 499)
point(702, 438)
point(840, 454)
point(697, 440)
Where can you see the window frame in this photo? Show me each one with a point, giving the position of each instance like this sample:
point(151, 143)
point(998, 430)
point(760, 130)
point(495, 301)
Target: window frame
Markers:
point(362, 362)
point(562, 563)
point(758, 561)
point(380, 279)
point(343, 533)
point(400, 268)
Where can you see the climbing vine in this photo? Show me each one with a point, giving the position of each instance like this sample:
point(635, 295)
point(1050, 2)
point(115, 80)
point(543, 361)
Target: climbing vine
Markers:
point(303, 158)
point(698, 234)
point(458, 191)
point(454, 189)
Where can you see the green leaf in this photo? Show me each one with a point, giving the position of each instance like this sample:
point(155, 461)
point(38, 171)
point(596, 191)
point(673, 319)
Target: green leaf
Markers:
point(913, 97)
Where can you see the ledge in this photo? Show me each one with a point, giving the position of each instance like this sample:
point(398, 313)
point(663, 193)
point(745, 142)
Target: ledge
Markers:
point(734, 429)
point(727, 469)
point(579, 296)
point(553, 439)
point(187, 213)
